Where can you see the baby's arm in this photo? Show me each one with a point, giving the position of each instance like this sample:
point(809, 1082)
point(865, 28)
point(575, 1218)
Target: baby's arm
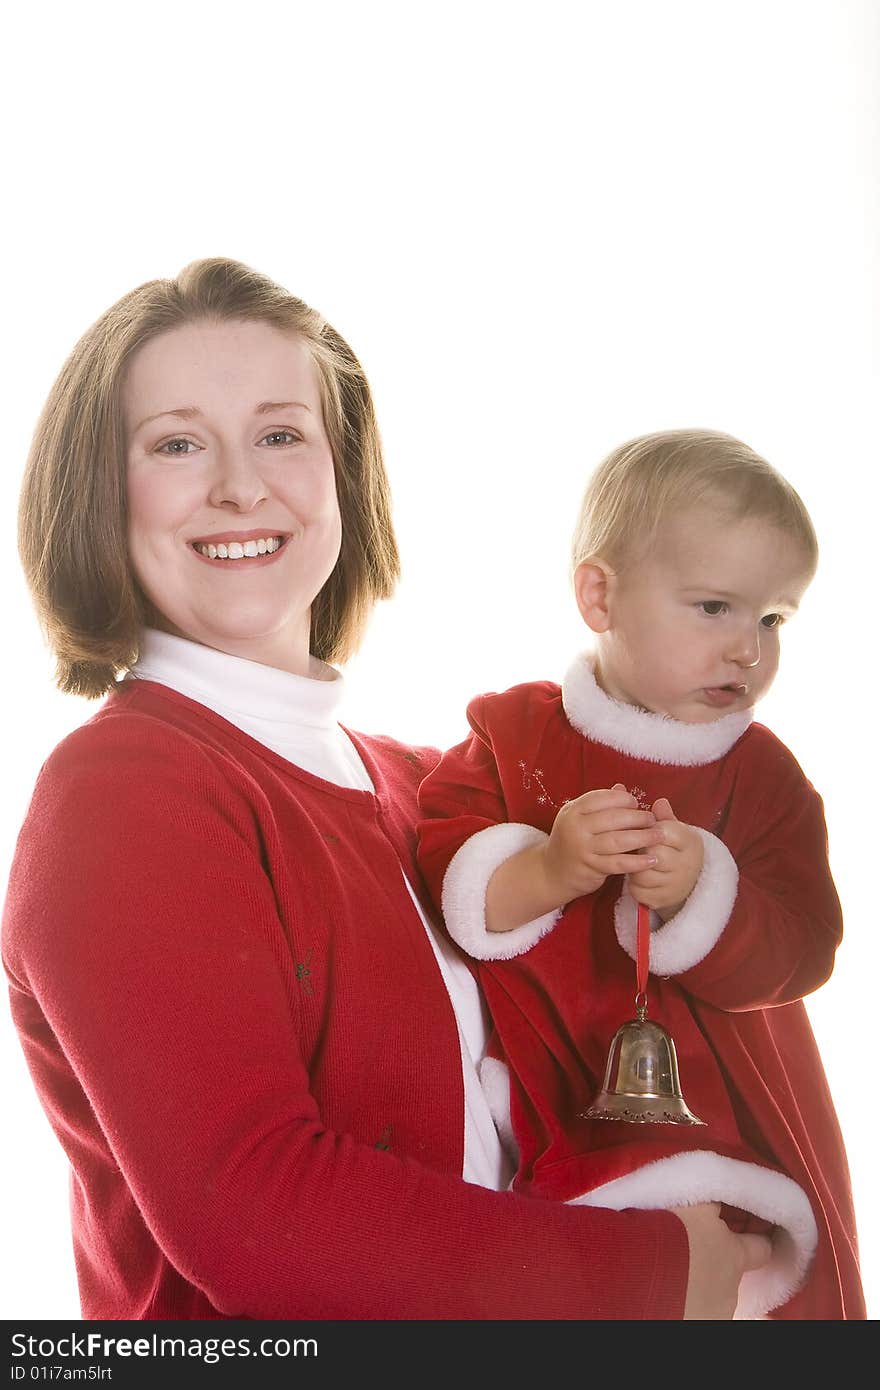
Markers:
point(490, 869)
point(762, 921)
point(600, 833)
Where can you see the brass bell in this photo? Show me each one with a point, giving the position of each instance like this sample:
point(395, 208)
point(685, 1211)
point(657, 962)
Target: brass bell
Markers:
point(641, 1079)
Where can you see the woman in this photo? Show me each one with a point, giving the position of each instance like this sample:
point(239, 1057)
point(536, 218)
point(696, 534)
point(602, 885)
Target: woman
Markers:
point(255, 1044)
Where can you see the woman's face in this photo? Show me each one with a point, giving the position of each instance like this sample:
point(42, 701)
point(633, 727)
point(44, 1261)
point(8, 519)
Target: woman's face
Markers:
point(234, 526)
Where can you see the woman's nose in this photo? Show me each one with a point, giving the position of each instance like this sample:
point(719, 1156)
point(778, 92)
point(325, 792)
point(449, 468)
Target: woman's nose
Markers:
point(237, 482)
point(745, 648)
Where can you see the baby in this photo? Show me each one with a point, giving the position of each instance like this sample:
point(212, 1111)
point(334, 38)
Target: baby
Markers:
point(643, 780)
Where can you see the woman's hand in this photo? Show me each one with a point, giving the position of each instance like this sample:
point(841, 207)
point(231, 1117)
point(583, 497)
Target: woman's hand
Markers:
point(718, 1260)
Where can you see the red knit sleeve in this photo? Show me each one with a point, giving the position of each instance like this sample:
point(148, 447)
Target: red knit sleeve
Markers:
point(462, 796)
point(779, 941)
point(141, 923)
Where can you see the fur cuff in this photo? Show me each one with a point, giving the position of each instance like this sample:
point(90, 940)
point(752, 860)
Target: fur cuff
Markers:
point(464, 894)
point(688, 1178)
point(495, 1085)
point(686, 938)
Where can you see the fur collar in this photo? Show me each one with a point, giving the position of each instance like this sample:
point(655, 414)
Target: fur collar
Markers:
point(638, 732)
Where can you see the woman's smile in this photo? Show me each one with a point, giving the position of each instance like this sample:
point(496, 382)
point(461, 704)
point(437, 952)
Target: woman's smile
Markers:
point(253, 548)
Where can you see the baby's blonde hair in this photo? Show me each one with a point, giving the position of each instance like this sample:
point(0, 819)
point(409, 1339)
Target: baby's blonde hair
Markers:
point(641, 483)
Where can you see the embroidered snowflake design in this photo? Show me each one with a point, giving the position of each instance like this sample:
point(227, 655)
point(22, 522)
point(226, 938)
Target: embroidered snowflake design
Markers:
point(384, 1140)
point(543, 798)
point(303, 970)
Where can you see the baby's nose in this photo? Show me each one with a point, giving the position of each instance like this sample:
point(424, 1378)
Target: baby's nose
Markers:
point(746, 649)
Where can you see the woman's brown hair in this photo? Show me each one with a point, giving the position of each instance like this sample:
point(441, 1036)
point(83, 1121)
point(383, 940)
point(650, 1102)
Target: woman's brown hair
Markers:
point(73, 513)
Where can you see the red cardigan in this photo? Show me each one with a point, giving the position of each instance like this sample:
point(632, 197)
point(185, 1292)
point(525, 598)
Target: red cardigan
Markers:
point(239, 1032)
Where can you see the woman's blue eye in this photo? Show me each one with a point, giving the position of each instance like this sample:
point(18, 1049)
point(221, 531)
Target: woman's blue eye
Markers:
point(713, 606)
point(175, 453)
point(278, 434)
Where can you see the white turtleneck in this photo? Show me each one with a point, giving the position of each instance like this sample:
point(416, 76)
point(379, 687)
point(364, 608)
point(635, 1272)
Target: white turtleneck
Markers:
point(296, 717)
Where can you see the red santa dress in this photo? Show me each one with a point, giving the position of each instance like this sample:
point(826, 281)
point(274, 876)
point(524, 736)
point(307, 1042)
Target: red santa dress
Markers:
point(728, 974)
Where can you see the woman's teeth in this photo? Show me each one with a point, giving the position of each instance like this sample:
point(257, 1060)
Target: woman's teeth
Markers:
point(240, 550)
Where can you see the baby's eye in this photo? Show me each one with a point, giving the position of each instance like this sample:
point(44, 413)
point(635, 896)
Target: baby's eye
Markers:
point(172, 452)
point(772, 620)
point(714, 607)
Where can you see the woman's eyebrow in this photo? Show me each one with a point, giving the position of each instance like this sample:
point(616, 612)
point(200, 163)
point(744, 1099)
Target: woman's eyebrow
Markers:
point(189, 412)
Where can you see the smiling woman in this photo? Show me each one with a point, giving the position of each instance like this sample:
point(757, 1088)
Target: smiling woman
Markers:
point(251, 481)
point(254, 365)
point(250, 1033)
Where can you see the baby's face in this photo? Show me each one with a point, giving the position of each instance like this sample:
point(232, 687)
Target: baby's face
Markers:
point(694, 627)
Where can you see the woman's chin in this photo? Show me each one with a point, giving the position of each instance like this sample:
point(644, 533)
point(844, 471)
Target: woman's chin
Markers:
point(248, 635)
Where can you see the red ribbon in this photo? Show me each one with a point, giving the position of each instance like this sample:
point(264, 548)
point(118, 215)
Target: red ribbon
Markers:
point(643, 940)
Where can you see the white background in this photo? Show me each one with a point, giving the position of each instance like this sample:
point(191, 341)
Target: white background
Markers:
point(544, 229)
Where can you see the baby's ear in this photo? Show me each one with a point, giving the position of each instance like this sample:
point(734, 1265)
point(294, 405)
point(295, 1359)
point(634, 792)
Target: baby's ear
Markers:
point(593, 580)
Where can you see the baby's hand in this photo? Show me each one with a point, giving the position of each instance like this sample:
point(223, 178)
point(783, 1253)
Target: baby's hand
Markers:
point(668, 883)
point(597, 834)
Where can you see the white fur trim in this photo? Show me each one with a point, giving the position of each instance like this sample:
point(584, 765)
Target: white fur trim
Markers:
point(464, 893)
point(639, 732)
point(495, 1084)
point(687, 937)
point(688, 1178)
